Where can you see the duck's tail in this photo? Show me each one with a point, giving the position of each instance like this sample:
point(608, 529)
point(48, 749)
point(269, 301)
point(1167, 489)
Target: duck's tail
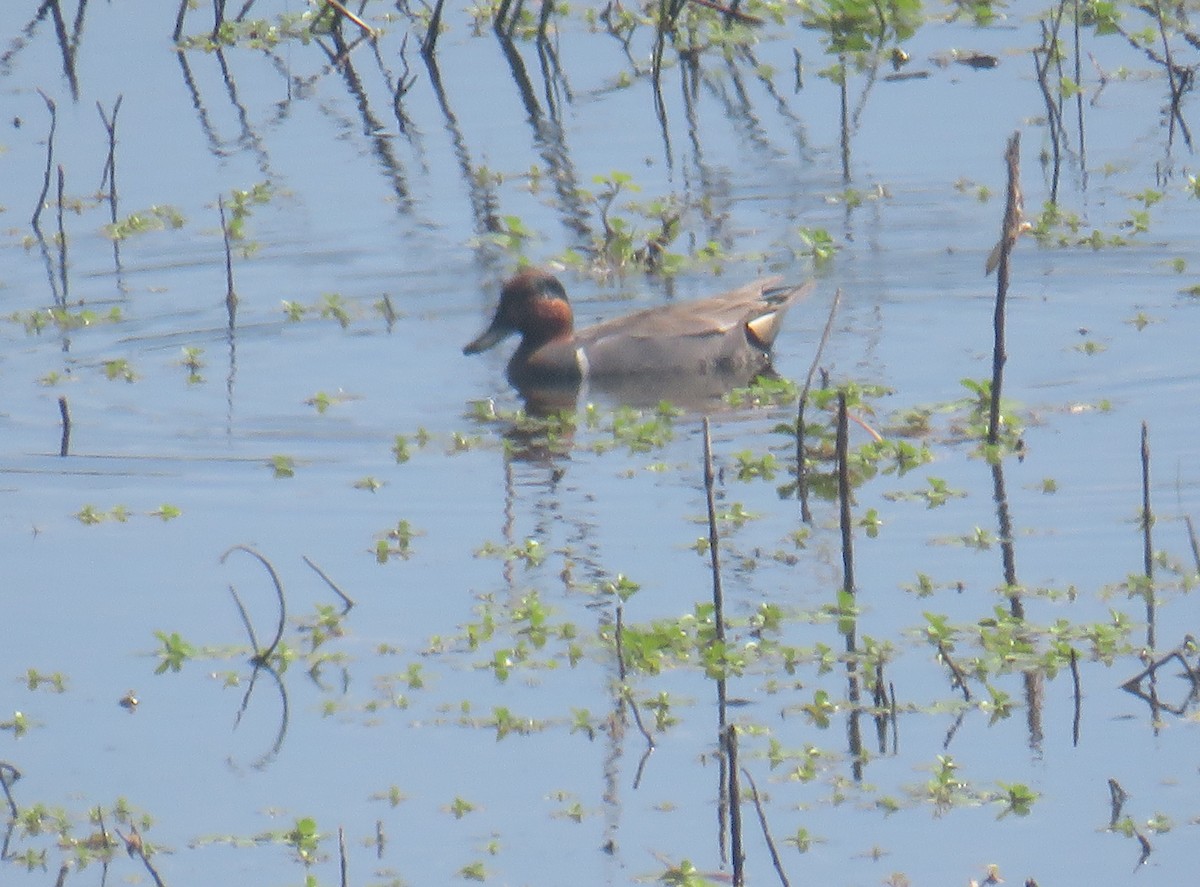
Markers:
point(764, 326)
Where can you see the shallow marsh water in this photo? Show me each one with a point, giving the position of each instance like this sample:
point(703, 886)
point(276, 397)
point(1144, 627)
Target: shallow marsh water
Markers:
point(365, 205)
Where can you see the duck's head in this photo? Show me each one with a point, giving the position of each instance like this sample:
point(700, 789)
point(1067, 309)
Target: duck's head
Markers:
point(532, 303)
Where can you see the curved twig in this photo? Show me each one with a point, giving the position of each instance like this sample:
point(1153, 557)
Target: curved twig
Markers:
point(263, 657)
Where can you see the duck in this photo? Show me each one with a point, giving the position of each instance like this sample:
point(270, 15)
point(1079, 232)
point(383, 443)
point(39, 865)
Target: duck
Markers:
point(725, 339)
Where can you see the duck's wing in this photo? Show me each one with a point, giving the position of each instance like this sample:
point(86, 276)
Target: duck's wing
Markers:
point(759, 306)
point(733, 330)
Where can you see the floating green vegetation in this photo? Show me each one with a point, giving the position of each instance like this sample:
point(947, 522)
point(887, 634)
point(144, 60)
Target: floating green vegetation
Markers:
point(261, 34)
point(44, 837)
point(91, 515)
point(119, 369)
point(323, 400)
point(817, 244)
point(63, 319)
point(938, 493)
point(56, 682)
point(175, 651)
point(765, 391)
point(19, 724)
point(396, 543)
point(620, 244)
point(1059, 227)
point(156, 218)
point(856, 27)
point(531, 552)
point(240, 209)
point(193, 364)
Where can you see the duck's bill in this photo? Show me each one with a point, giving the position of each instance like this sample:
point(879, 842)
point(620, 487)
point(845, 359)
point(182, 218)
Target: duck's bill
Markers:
point(493, 335)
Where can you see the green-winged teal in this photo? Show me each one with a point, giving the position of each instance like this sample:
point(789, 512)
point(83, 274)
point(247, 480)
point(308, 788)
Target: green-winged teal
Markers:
point(729, 335)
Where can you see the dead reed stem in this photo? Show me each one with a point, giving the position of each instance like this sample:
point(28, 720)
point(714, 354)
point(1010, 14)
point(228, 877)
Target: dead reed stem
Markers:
point(346, 599)
point(429, 43)
point(843, 463)
point(1195, 543)
point(1049, 54)
point(737, 853)
point(1147, 514)
point(1009, 232)
point(8, 775)
point(230, 296)
point(64, 411)
point(342, 855)
point(62, 233)
point(363, 26)
point(801, 472)
point(41, 201)
point(179, 16)
point(1147, 536)
point(714, 554)
point(766, 830)
point(1078, 698)
point(959, 677)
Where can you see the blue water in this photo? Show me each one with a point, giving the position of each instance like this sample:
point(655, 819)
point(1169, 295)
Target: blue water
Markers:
point(363, 209)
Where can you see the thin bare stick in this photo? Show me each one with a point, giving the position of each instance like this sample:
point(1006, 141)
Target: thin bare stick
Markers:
point(41, 201)
point(62, 874)
point(429, 43)
point(1009, 232)
point(134, 847)
point(730, 12)
point(62, 234)
point(182, 11)
point(1191, 528)
point(1145, 845)
point(714, 555)
point(737, 853)
point(266, 655)
point(104, 838)
point(342, 854)
point(801, 473)
point(257, 657)
point(1178, 78)
point(346, 599)
point(109, 176)
point(762, 821)
point(1147, 514)
point(1078, 697)
point(244, 11)
point(65, 412)
point(959, 677)
point(8, 775)
point(218, 18)
point(825, 335)
point(230, 296)
point(1186, 648)
point(366, 29)
point(620, 643)
point(843, 462)
point(544, 21)
point(637, 718)
point(1147, 539)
